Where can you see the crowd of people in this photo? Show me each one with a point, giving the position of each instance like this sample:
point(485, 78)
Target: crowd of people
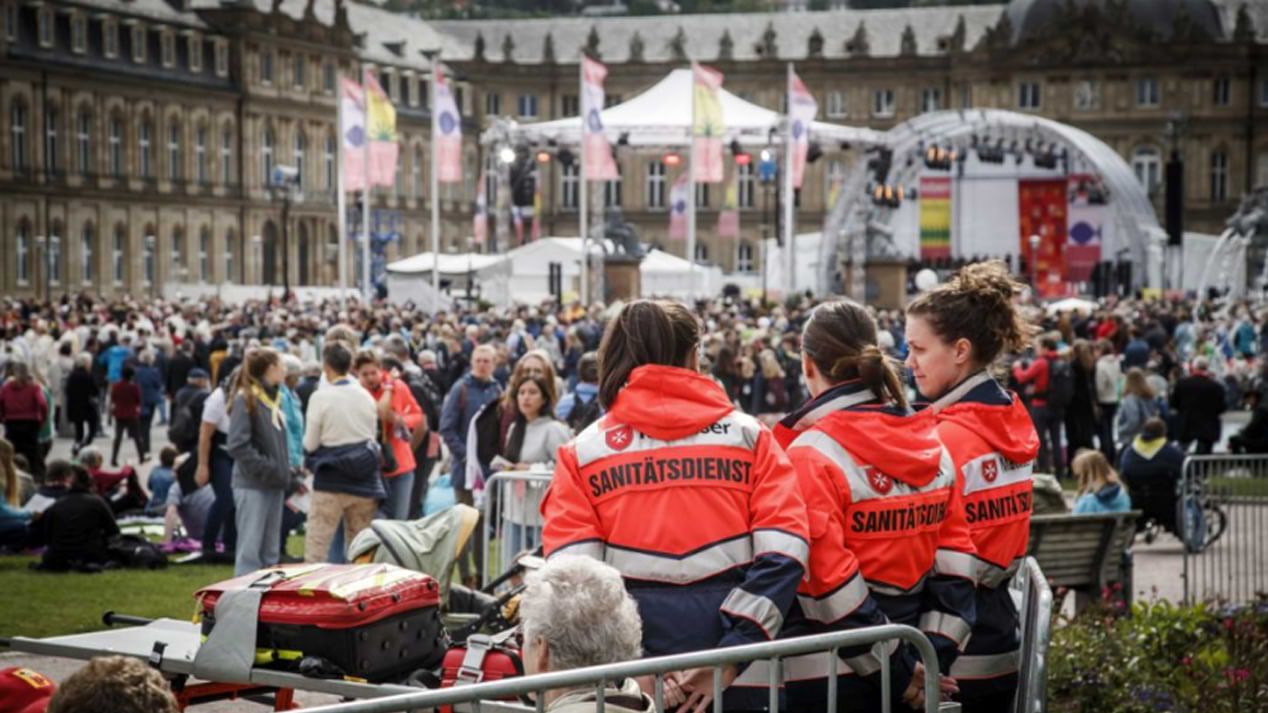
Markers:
point(815, 432)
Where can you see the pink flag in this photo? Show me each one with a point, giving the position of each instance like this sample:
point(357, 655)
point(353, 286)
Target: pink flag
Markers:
point(381, 128)
point(679, 194)
point(596, 152)
point(480, 222)
point(707, 126)
point(801, 112)
point(352, 143)
point(446, 131)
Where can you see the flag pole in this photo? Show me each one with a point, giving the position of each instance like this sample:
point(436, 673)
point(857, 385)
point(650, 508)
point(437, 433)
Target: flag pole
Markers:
point(341, 199)
point(583, 195)
point(365, 201)
point(435, 182)
point(790, 257)
point(691, 191)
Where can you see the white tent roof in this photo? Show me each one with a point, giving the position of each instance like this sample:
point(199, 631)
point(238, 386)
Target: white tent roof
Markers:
point(661, 116)
point(458, 264)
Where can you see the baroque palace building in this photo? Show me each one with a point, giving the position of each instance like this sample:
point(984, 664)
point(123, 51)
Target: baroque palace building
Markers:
point(136, 136)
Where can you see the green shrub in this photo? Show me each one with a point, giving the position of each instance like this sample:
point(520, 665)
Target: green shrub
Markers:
point(1161, 657)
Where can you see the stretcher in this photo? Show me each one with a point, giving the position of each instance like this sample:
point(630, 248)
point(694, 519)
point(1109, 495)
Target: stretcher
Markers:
point(170, 645)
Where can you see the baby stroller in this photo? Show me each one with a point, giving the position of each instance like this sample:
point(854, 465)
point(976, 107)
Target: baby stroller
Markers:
point(1184, 511)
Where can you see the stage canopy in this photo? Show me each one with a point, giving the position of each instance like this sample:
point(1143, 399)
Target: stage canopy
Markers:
point(661, 116)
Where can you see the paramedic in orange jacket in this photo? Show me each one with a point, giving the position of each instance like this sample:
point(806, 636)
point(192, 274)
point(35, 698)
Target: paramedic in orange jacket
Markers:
point(883, 507)
point(954, 332)
point(690, 498)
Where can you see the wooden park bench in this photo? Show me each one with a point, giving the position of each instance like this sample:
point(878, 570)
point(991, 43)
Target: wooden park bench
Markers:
point(1085, 553)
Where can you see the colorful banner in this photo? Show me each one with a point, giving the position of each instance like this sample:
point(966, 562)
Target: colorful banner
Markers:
point(480, 221)
point(595, 149)
point(446, 132)
point(935, 217)
point(708, 125)
point(679, 194)
point(352, 145)
point(381, 127)
point(801, 112)
point(729, 215)
point(1042, 209)
point(1086, 231)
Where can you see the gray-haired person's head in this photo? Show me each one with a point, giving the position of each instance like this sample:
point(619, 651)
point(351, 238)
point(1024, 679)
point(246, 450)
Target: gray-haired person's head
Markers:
point(578, 608)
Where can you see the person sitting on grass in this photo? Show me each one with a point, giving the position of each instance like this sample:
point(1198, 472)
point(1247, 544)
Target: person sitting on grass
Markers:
point(187, 513)
point(162, 476)
point(121, 489)
point(14, 521)
point(114, 684)
point(1099, 487)
point(74, 529)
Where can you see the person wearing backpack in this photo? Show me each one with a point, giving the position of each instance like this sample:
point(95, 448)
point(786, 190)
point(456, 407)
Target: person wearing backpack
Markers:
point(1048, 384)
point(580, 407)
point(187, 411)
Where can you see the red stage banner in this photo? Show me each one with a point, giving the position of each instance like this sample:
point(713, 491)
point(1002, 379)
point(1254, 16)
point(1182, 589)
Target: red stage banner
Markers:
point(1043, 208)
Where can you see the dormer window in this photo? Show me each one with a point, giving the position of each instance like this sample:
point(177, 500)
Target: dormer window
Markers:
point(222, 58)
point(195, 52)
point(78, 33)
point(167, 48)
point(46, 19)
point(109, 38)
point(138, 43)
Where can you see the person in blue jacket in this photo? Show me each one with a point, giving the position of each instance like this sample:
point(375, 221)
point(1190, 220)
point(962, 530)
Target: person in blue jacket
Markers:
point(1099, 487)
point(150, 379)
point(586, 390)
point(468, 395)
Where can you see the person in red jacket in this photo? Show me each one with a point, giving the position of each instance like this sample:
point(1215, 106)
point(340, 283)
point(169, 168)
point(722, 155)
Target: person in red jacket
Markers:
point(689, 497)
point(954, 332)
point(125, 406)
point(399, 415)
point(23, 410)
point(873, 474)
point(1047, 418)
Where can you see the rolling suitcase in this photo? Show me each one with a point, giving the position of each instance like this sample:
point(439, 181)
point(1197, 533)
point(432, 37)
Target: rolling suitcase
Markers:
point(375, 622)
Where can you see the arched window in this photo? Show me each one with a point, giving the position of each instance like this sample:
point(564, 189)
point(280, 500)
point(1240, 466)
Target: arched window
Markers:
point(144, 138)
point(119, 255)
point(17, 127)
point(1219, 175)
point(174, 171)
point(204, 254)
point(147, 254)
point(83, 142)
point(1147, 164)
point(744, 257)
point(52, 161)
point(230, 249)
point(266, 158)
point(178, 254)
point(416, 172)
point(268, 258)
point(329, 161)
point(303, 253)
point(87, 254)
point(22, 248)
point(200, 155)
point(115, 157)
point(301, 147)
point(55, 254)
point(226, 155)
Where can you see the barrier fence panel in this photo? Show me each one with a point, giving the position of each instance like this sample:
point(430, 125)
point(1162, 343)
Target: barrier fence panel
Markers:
point(598, 676)
point(1222, 515)
point(1036, 632)
point(512, 521)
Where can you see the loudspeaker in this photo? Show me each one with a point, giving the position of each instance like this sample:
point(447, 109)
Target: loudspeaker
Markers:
point(1174, 199)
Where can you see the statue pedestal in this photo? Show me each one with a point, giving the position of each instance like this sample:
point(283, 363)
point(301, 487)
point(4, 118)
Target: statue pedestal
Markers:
point(621, 278)
point(885, 283)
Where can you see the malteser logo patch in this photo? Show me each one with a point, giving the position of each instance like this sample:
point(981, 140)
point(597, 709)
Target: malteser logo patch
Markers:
point(619, 438)
point(880, 482)
point(990, 471)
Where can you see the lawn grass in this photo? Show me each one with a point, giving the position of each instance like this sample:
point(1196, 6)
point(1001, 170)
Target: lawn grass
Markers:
point(37, 604)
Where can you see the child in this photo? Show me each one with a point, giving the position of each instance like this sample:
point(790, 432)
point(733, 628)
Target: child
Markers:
point(160, 481)
point(1099, 487)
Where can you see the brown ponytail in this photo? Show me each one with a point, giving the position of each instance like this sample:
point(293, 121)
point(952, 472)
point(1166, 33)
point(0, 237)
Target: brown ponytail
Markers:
point(977, 305)
point(840, 338)
point(644, 332)
point(251, 375)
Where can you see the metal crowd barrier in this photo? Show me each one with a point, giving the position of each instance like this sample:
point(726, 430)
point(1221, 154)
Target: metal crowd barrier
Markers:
point(1036, 633)
point(484, 696)
point(1222, 518)
point(512, 522)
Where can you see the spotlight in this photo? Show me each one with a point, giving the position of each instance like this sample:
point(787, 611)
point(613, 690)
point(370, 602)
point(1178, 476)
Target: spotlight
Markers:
point(507, 155)
point(672, 159)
